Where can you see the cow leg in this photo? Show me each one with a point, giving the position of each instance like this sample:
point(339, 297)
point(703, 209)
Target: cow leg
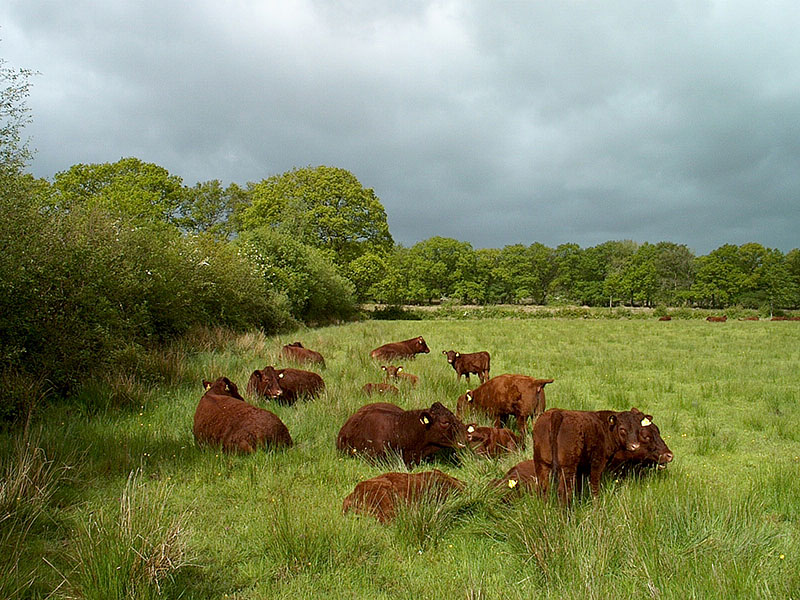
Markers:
point(542, 477)
point(522, 422)
point(566, 484)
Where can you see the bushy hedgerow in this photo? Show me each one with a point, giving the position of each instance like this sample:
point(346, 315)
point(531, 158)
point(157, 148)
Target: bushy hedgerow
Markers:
point(314, 289)
point(75, 286)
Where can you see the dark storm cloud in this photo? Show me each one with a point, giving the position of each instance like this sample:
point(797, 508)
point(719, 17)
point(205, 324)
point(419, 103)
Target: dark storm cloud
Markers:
point(490, 123)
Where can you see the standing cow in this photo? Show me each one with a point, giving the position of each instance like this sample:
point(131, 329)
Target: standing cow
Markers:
point(464, 364)
point(381, 428)
point(505, 395)
point(573, 443)
point(405, 349)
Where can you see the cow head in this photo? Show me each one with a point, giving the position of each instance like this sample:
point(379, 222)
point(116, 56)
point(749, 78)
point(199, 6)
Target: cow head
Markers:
point(421, 346)
point(463, 401)
point(451, 355)
point(653, 451)
point(222, 386)
point(392, 371)
point(442, 428)
point(295, 345)
point(265, 382)
point(624, 427)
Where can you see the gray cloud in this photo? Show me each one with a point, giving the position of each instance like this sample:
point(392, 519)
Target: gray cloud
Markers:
point(493, 124)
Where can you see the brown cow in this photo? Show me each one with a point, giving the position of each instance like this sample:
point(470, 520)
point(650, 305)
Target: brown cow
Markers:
point(492, 441)
point(379, 497)
point(381, 428)
point(505, 395)
point(779, 319)
point(520, 477)
point(464, 364)
point(224, 419)
point(379, 388)
point(405, 349)
point(398, 374)
point(300, 354)
point(721, 319)
point(571, 443)
point(748, 318)
point(653, 452)
point(665, 318)
point(264, 382)
point(291, 384)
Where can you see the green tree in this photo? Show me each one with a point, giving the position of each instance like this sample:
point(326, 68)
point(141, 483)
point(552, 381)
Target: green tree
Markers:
point(793, 267)
point(719, 277)
point(324, 207)
point(207, 207)
point(434, 267)
point(675, 269)
point(14, 115)
point(129, 187)
point(640, 275)
point(366, 272)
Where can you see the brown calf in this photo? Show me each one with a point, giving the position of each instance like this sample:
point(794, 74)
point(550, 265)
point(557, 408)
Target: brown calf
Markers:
point(464, 364)
point(405, 349)
point(492, 441)
point(300, 354)
point(398, 374)
point(379, 388)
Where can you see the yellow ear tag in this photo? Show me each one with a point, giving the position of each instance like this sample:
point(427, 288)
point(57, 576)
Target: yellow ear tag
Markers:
point(424, 420)
point(470, 429)
point(280, 376)
point(646, 422)
point(469, 397)
point(208, 386)
point(399, 369)
point(512, 483)
point(457, 354)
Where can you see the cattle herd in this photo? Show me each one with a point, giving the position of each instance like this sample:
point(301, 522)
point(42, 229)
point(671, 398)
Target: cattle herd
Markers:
point(568, 445)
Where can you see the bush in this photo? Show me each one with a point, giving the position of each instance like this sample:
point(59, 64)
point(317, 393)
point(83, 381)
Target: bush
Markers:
point(315, 291)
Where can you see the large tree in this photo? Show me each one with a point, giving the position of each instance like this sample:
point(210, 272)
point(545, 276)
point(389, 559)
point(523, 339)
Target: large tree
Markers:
point(324, 207)
point(129, 187)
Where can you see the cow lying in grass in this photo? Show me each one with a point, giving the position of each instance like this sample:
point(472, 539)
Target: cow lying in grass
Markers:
point(396, 373)
point(223, 418)
point(405, 349)
point(380, 496)
point(300, 354)
point(492, 441)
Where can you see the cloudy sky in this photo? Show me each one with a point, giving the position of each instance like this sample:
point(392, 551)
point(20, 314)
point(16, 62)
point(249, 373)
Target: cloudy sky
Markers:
point(490, 122)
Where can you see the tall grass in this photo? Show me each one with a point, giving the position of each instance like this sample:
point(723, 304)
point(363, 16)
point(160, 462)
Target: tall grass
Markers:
point(722, 521)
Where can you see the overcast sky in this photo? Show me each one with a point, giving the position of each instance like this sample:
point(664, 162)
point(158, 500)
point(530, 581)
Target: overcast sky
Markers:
point(490, 122)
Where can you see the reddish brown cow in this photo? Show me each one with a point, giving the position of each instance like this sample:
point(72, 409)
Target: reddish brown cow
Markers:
point(572, 443)
point(300, 354)
point(779, 319)
point(224, 419)
point(652, 453)
point(405, 349)
point(292, 384)
point(721, 319)
point(520, 477)
point(264, 382)
point(492, 441)
point(381, 428)
point(665, 318)
point(505, 395)
point(398, 374)
point(465, 364)
point(748, 319)
point(379, 497)
point(379, 388)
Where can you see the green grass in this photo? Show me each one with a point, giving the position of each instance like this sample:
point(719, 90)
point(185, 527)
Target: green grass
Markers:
point(130, 508)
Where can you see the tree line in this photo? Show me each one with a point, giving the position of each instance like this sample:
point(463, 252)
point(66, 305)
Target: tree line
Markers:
point(108, 258)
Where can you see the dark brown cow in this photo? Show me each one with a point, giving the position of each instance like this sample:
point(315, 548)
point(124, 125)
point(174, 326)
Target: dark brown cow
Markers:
point(224, 419)
point(379, 388)
point(572, 443)
point(505, 395)
point(405, 349)
point(379, 497)
point(653, 452)
point(492, 441)
point(381, 428)
point(300, 354)
point(748, 318)
point(665, 318)
point(264, 382)
point(291, 384)
point(465, 364)
point(398, 374)
point(721, 319)
point(779, 319)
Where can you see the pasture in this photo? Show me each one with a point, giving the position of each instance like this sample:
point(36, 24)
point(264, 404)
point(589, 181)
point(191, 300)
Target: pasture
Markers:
point(135, 509)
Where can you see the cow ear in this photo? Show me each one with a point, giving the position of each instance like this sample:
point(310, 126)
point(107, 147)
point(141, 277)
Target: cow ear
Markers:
point(383, 367)
point(425, 419)
point(612, 421)
point(206, 385)
point(280, 375)
point(636, 411)
point(399, 369)
point(469, 396)
point(444, 351)
point(471, 429)
point(458, 354)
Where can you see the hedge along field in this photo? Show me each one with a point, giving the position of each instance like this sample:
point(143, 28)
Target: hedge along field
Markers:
point(142, 512)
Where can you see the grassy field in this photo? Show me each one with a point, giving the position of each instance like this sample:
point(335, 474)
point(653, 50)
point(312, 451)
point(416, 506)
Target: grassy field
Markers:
point(119, 503)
